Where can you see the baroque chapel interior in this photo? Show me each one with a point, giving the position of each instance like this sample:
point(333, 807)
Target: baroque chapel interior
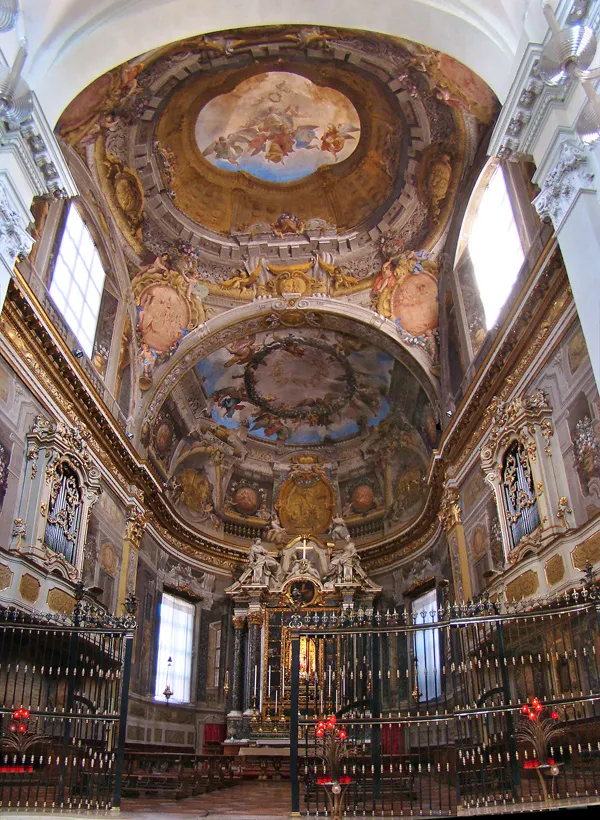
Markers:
point(299, 411)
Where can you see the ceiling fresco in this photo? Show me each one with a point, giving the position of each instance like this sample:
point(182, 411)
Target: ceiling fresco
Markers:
point(300, 389)
point(282, 197)
point(278, 127)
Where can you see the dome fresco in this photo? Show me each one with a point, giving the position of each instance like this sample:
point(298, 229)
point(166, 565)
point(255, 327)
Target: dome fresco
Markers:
point(283, 196)
point(277, 126)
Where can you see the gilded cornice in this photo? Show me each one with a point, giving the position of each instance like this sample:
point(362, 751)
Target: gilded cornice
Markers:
point(533, 320)
point(52, 368)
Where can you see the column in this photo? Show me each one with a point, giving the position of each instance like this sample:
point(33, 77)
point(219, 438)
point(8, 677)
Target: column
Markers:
point(255, 621)
point(134, 530)
point(540, 122)
point(237, 690)
point(450, 516)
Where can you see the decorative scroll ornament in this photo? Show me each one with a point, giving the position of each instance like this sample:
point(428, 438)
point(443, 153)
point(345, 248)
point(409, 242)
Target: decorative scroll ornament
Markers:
point(136, 524)
point(450, 512)
point(14, 239)
point(570, 175)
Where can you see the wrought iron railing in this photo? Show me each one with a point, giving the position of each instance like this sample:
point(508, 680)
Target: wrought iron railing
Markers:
point(488, 705)
point(63, 706)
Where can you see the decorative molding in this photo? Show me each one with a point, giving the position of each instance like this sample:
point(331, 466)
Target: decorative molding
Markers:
point(14, 239)
point(588, 552)
point(29, 588)
point(524, 586)
point(570, 175)
point(450, 513)
point(6, 577)
point(529, 100)
point(60, 601)
point(554, 569)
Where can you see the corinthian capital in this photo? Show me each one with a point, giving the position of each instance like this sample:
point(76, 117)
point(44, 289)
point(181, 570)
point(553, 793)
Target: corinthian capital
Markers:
point(569, 175)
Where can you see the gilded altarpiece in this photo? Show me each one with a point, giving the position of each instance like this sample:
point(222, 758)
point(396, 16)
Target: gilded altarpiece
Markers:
point(307, 577)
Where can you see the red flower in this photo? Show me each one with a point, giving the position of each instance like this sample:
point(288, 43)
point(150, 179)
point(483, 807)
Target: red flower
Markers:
point(525, 709)
point(531, 764)
point(555, 715)
point(550, 761)
point(320, 732)
point(321, 724)
point(322, 780)
point(332, 720)
point(342, 734)
point(345, 779)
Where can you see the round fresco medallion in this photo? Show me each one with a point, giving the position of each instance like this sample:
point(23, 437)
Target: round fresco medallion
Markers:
point(362, 499)
point(162, 438)
point(415, 305)
point(163, 317)
point(246, 500)
point(296, 366)
point(277, 126)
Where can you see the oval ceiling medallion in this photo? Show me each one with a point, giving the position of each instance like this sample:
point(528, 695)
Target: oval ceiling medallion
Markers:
point(278, 126)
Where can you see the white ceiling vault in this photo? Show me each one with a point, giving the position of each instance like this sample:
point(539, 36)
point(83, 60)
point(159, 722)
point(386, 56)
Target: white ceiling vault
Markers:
point(71, 42)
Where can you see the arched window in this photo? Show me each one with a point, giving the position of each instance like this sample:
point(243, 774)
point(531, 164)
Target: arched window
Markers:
point(518, 491)
point(495, 246)
point(64, 513)
point(78, 280)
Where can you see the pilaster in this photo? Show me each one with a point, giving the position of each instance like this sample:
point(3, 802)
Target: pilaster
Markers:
point(450, 516)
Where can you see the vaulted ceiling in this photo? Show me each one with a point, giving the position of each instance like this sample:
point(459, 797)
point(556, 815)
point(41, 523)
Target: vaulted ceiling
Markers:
point(282, 196)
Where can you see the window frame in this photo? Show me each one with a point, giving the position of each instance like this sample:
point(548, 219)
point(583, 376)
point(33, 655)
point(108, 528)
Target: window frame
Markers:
point(64, 281)
point(181, 668)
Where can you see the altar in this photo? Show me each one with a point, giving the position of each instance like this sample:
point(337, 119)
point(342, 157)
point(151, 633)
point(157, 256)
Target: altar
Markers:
point(305, 576)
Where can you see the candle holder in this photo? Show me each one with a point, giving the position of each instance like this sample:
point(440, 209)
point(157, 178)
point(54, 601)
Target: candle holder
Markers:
point(333, 750)
point(538, 725)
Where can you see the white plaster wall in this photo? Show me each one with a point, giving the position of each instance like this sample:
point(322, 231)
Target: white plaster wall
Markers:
point(74, 41)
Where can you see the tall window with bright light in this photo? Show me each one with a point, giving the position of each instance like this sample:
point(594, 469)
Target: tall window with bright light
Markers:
point(78, 280)
point(175, 643)
point(426, 646)
point(495, 247)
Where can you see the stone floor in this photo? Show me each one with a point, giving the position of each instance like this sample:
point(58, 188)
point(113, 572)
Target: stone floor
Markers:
point(253, 800)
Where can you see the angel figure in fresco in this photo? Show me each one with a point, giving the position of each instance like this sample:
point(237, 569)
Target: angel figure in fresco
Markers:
point(241, 351)
point(229, 401)
point(226, 148)
point(334, 139)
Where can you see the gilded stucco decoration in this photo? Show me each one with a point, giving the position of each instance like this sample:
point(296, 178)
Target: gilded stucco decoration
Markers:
point(29, 588)
point(587, 552)
point(554, 569)
point(60, 601)
point(450, 511)
point(523, 586)
point(169, 306)
point(306, 500)
point(6, 576)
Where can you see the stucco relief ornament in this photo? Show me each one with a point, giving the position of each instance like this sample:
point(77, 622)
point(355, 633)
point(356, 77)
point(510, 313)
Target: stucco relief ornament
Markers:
point(14, 239)
point(570, 175)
